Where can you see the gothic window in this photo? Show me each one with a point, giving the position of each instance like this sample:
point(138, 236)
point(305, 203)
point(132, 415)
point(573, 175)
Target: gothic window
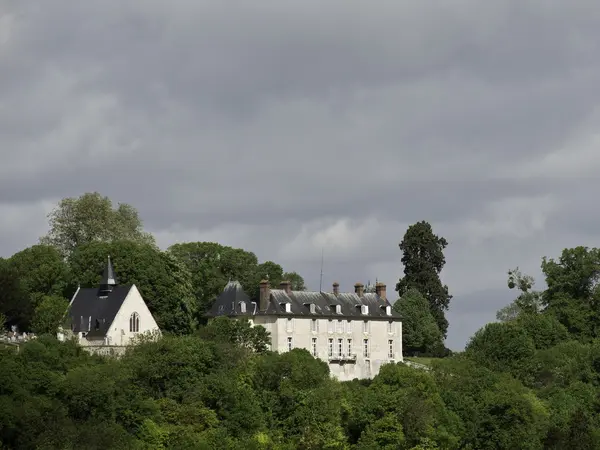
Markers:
point(134, 323)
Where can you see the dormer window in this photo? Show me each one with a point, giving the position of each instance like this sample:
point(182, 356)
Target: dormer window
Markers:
point(243, 307)
point(388, 310)
point(338, 309)
point(364, 310)
point(313, 308)
point(221, 308)
point(287, 307)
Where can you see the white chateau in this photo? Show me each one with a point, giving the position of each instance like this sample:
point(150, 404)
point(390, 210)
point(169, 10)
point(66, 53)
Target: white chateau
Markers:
point(107, 318)
point(355, 333)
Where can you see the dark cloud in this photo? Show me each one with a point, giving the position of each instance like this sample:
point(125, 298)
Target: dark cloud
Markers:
point(285, 129)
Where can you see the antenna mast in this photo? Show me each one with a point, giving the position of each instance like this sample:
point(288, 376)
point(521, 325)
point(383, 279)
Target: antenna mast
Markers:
point(321, 279)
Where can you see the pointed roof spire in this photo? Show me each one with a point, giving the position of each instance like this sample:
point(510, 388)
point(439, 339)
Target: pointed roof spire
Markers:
point(108, 277)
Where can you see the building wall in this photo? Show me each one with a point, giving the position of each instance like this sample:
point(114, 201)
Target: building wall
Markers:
point(119, 333)
point(302, 333)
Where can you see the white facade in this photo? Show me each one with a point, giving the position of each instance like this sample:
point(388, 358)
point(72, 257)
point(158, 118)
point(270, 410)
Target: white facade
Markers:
point(353, 348)
point(134, 318)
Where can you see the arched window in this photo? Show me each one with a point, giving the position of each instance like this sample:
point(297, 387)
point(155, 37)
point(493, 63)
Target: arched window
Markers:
point(134, 323)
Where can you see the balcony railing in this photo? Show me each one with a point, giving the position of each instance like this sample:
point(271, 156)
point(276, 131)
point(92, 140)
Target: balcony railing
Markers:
point(342, 359)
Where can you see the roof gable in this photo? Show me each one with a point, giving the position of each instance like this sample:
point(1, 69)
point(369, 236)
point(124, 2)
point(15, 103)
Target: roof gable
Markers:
point(93, 311)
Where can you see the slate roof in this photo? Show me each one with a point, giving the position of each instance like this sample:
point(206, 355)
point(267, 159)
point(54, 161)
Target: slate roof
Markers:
point(229, 301)
point(229, 304)
point(100, 306)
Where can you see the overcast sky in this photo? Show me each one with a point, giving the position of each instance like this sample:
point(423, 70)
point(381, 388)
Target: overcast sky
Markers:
point(284, 127)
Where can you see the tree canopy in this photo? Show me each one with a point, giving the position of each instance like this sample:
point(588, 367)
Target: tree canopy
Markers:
point(423, 260)
point(529, 381)
point(91, 218)
point(420, 333)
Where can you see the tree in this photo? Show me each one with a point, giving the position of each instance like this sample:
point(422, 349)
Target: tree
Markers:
point(296, 280)
point(423, 260)
point(502, 347)
point(237, 332)
point(42, 271)
point(420, 333)
point(164, 282)
point(15, 303)
point(211, 266)
point(48, 314)
point(528, 301)
point(573, 293)
point(91, 218)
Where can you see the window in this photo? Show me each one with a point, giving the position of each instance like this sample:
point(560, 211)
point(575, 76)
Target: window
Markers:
point(313, 325)
point(391, 349)
point(349, 347)
point(290, 346)
point(312, 308)
point(314, 347)
point(340, 347)
point(340, 326)
point(366, 348)
point(364, 309)
point(330, 326)
point(330, 350)
point(134, 323)
point(288, 307)
point(390, 327)
point(290, 325)
point(366, 326)
point(243, 307)
point(388, 310)
point(221, 308)
point(349, 327)
point(338, 309)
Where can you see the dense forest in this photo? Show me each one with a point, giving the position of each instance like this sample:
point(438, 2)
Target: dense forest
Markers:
point(531, 380)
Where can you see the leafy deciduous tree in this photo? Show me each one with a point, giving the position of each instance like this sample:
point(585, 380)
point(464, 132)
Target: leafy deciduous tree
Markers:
point(48, 314)
point(420, 333)
point(91, 218)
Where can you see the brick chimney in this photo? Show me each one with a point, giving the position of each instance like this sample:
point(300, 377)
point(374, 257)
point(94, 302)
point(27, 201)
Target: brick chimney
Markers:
point(286, 286)
point(359, 289)
point(336, 288)
point(380, 291)
point(265, 295)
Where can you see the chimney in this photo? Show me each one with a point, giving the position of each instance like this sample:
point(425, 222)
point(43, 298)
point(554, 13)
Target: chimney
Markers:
point(265, 295)
point(380, 291)
point(336, 288)
point(359, 289)
point(286, 286)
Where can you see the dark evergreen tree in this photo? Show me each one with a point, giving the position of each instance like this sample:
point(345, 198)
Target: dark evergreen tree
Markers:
point(423, 259)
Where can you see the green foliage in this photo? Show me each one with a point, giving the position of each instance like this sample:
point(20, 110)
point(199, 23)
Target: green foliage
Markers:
point(15, 303)
point(91, 218)
point(42, 271)
point(164, 282)
point(529, 382)
point(212, 265)
point(48, 314)
point(502, 347)
point(527, 303)
point(423, 260)
point(237, 332)
point(296, 280)
point(573, 294)
point(420, 333)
